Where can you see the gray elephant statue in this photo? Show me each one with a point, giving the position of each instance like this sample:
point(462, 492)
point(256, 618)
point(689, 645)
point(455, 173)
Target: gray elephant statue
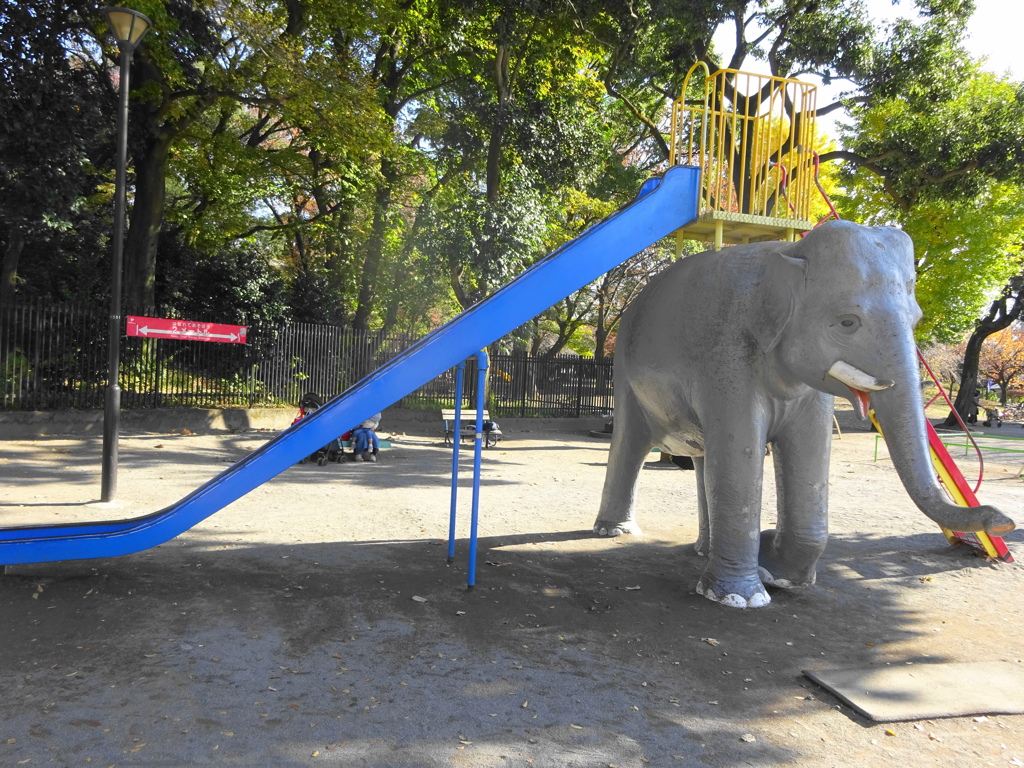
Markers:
point(724, 353)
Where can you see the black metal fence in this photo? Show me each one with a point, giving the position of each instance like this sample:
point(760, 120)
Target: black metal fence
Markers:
point(55, 357)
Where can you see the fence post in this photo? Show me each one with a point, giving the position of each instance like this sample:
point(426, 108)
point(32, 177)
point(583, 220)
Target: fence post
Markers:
point(579, 388)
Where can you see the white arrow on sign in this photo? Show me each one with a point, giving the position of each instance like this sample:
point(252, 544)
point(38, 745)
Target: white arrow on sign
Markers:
point(146, 330)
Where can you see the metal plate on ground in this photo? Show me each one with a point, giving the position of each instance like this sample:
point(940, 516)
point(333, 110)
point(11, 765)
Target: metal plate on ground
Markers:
point(924, 691)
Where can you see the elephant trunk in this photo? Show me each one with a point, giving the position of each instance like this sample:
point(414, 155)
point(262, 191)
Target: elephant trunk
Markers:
point(899, 412)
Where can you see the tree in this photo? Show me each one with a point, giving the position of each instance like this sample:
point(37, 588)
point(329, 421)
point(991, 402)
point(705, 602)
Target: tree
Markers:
point(946, 362)
point(1003, 312)
point(258, 94)
point(950, 172)
point(1002, 358)
point(395, 161)
point(55, 125)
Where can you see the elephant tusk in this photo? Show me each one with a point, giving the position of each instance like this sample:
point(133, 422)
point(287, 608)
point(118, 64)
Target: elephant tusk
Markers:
point(856, 378)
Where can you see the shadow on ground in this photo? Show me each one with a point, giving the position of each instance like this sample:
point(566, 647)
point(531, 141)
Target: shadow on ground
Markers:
point(373, 653)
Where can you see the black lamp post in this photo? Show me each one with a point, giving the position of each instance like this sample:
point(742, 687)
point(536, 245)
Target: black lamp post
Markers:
point(128, 27)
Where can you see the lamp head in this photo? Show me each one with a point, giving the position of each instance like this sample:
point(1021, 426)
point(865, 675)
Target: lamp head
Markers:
point(128, 26)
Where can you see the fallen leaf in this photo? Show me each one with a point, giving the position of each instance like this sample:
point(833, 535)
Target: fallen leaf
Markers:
point(577, 727)
point(136, 749)
point(890, 732)
point(631, 589)
point(710, 641)
point(748, 737)
point(419, 599)
point(315, 752)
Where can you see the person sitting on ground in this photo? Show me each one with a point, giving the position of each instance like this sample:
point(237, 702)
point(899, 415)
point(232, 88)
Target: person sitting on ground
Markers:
point(364, 439)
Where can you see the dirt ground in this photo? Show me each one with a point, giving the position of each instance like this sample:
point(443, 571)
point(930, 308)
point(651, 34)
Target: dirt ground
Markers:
point(315, 622)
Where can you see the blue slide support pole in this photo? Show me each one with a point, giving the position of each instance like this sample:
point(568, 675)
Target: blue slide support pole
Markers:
point(663, 206)
point(460, 371)
point(481, 381)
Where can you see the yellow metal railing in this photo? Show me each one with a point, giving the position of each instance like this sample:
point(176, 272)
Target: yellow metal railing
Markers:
point(753, 138)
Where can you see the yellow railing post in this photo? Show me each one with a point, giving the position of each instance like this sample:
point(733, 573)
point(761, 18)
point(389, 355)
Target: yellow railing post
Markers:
point(752, 137)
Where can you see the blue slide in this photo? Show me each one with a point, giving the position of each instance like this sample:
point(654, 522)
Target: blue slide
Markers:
point(663, 206)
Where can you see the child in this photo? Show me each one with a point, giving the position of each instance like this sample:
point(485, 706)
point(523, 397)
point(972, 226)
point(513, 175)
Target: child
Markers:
point(364, 439)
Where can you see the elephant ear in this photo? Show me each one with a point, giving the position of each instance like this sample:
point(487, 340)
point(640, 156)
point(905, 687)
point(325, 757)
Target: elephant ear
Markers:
point(775, 298)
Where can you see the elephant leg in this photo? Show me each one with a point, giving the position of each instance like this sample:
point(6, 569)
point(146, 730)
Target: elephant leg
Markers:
point(703, 543)
point(790, 553)
point(733, 474)
point(631, 443)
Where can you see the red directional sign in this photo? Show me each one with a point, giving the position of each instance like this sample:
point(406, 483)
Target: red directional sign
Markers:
point(164, 328)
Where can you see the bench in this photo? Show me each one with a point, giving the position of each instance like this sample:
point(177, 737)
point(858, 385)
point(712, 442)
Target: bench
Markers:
point(467, 427)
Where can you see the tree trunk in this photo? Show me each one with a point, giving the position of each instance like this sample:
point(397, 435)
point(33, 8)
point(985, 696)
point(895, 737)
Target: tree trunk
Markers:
point(1003, 312)
point(600, 331)
point(964, 402)
point(497, 137)
point(375, 246)
point(146, 219)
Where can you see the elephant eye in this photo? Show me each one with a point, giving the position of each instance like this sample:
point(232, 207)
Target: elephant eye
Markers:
point(848, 323)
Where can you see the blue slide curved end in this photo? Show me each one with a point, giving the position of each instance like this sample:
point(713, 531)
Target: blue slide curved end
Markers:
point(663, 206)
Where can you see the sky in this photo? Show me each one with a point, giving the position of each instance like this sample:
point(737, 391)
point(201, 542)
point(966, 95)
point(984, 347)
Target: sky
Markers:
point(994, 32)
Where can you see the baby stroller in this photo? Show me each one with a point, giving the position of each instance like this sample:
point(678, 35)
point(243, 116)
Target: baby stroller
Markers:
point(309, 403)
point(993, 415)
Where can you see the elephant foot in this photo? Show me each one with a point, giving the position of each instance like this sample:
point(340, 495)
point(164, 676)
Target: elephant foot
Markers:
point(747, 595)
point(611, 528)
point(781, 573)
point(781, 583)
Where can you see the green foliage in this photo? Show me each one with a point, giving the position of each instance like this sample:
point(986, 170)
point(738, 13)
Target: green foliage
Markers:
point(965, 249)
point(384, 165)
point(57, 117)
point(950, 147)
point(230, 286)
point(951, 174)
